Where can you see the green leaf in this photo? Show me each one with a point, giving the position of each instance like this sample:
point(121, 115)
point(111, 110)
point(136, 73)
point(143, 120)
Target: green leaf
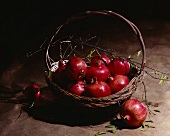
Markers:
point(162, 79)
point(50, 74)
point(90, 54)
point(161, 82)
point(138, 54)
point(110, 126)
point(111, 131)
point(149, 126)
point(156, 110)
point(149, 121)
point(155, 71)
point(99, 133)
point(129, 56)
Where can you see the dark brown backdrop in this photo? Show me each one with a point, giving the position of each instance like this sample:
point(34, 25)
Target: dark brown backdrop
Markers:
point(25, 24)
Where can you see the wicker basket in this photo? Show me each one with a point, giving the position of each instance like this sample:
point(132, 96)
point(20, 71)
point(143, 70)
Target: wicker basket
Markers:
point(112, 102)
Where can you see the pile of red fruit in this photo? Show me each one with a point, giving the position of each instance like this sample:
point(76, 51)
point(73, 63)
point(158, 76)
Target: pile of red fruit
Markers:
point(98, 78)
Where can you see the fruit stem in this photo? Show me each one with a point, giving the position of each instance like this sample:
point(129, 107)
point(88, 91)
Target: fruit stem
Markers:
point(94, 80)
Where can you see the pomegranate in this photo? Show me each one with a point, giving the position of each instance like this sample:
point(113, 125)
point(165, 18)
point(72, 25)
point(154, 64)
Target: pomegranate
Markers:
point(133, 112)
point(77, 88)
point(76, 68)
point(98, 89)
point(119, 66)
point(100, 72)
point(60, 76)
point(117, 83)
point(105, 60)
point(32, 92)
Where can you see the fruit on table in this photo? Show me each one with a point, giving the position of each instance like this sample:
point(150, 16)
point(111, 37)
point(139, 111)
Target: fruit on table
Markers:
point(32, 92)
point(133, 112)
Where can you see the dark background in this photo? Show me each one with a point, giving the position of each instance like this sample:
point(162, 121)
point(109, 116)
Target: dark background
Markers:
point(25, 24)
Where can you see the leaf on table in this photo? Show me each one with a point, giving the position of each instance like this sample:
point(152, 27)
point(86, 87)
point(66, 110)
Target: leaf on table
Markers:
point(156, 110)
point(149, 126)
point(162, 79)
point(99, 133)
point(149, 121)
point(110, 126)
point(111, 131)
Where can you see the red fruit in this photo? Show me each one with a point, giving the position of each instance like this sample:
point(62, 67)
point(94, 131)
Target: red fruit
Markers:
point(119, 66)
point(32, 92)
point(98, 89)
point(105, 60)
point(117, 83)
point(77, 88)
point(76, 68)
point(101, 73)
point(133, 112)
point(60, 76)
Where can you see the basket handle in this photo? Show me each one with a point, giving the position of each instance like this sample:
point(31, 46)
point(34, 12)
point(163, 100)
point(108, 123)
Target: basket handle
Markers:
point(102, 12)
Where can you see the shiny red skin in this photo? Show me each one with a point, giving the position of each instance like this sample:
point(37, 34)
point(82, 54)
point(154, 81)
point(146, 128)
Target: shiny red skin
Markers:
point(119, 66)
point(133, 112)
point(60, 75)
point(105, 60)
point(117, 83)
point(76, 88)
point(98, 89)
point(101, 73)
point(76, 68)
point(32, 92)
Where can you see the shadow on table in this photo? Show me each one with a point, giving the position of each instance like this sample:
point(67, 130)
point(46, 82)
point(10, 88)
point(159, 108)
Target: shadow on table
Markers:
point(120, 124)
point(62, 114)
point(51, 110)
point(57, 112)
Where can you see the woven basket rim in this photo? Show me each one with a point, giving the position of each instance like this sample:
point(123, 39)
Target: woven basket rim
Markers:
point(83, 15)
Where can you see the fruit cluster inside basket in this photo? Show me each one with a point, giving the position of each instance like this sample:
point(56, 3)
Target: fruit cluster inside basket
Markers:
point(83, 73)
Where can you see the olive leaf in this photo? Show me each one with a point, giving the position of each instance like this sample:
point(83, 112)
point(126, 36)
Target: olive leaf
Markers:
point(149, 126)
point(149, 121)
point(50, 74)
point(90, 54)
point(129, 57)
point(110, 126)
point(162, 79)
point(155, 71)
point(156, 110)
point(111, 131)
point(138, 54)
point(100, 133)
